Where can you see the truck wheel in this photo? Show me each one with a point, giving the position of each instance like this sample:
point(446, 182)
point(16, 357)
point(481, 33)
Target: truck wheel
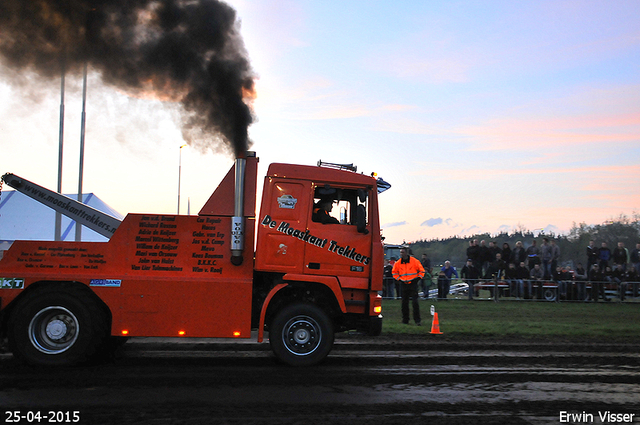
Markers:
point(56, 329)
point(375, 326)
point(301, 335)
point(550, 294)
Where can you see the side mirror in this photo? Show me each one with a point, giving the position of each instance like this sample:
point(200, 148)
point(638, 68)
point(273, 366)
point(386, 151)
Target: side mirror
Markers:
point(361, 219)
point(362, 195)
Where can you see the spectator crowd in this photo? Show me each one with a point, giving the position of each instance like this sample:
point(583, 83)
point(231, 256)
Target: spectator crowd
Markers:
point(525, 272)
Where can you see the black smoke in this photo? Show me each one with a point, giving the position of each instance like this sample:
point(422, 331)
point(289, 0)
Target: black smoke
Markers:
point(189, 51)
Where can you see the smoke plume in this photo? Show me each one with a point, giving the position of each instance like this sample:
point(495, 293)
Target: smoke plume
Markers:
point(187, 51)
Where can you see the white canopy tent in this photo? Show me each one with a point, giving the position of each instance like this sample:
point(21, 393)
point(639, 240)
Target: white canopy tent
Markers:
point(22, 218)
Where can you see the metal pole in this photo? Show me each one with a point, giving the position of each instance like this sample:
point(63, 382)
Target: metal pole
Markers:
point(179, 175)
point(81, 166)
point(58, 222)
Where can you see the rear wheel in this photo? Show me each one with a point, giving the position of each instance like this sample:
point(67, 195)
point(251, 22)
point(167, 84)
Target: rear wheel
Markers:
point(301, 335)
point(550, 294)
point(56, 328)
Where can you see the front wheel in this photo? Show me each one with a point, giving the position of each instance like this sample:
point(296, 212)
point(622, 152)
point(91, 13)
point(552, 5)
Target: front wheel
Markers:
point(550, 294)
point(301, 335)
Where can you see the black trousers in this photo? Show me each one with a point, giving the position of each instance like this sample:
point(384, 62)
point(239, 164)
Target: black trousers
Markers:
point(444, 285)
point(410, 291)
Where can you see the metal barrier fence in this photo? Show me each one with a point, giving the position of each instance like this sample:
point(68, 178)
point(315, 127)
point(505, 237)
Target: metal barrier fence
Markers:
point(524, 289)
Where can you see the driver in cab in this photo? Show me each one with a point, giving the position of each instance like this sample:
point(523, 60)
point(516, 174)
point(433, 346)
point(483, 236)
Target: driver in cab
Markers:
point(321, 212)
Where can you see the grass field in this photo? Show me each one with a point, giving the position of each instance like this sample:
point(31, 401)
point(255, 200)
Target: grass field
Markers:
point(599, 322)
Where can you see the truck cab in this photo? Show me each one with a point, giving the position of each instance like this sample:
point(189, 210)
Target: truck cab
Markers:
point(344, 255)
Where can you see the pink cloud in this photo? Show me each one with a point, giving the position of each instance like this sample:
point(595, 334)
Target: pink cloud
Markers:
point(522, 133)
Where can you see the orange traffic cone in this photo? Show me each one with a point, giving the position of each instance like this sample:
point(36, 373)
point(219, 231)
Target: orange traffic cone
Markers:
point(435, 325)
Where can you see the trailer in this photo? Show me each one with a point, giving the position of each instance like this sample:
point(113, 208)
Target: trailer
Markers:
point(220, 274)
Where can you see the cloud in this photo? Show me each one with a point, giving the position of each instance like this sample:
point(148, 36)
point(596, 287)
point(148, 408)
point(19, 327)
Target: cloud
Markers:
point(470, 230)
point(593, 116)
point(282, 22)
point(612, 173)
point(438, 221)
point(432, 70)
point(504, 228)
point(398, 107)
point(550, 228)
point(320, 98)
point(432, 222)
point(394, 224)
point(406, 125)
point(433, 55)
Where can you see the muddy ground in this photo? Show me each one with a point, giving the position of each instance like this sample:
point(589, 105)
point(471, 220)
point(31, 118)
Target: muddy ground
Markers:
point(388, 380)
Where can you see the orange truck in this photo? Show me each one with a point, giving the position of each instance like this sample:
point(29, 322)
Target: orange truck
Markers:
point(200, 276)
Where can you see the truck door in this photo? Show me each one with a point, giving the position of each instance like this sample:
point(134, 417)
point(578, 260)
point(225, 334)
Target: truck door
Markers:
point(282, 225)
point(345, 234)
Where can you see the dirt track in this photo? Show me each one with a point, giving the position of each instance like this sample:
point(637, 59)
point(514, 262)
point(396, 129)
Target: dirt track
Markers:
point(384, 380)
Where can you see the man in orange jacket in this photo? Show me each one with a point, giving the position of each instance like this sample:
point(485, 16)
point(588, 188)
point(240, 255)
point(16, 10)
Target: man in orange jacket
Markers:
point(409, 271)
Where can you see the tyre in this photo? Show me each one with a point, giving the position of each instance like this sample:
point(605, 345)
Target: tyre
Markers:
point(375, 326)
point(550, 294)
point(56, 328)
point(301, 335)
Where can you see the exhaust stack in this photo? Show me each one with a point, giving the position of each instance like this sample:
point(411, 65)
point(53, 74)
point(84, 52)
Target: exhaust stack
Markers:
point(237, 221)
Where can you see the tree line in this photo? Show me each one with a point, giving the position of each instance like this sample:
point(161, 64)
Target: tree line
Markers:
point(572, 245)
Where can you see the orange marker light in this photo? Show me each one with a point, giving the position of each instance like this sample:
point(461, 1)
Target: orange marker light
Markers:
point(236, 333)
point(181, 333)
point(125, 332)
point(377, 309)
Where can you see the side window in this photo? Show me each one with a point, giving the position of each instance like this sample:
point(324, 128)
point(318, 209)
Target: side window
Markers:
point(334, 205)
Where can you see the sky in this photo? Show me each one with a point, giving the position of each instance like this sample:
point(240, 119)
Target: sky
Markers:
point(485, 116)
